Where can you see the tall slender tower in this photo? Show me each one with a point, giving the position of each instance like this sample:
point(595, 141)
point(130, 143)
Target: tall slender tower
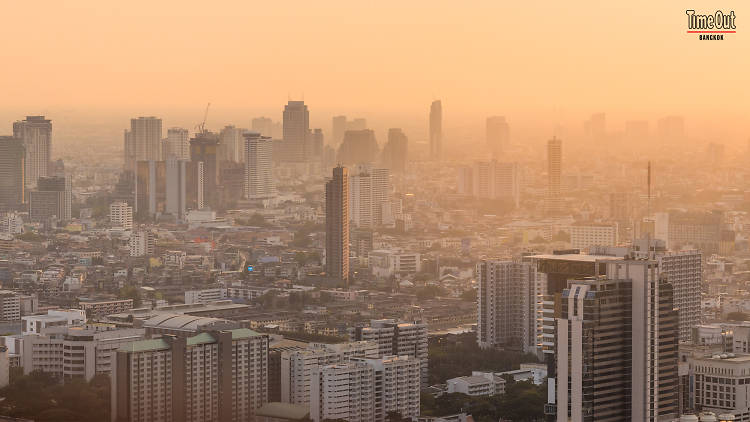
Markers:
point(337, 225)
point(296, 128)
point(436, 130)
point(144, 139)
point(554, 173)
point(259, 183)
point(36, 132)
point(12, 172)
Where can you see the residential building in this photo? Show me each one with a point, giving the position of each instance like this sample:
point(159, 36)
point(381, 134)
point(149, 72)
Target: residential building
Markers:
point(205, 295)
point(141, 243)
point(297, 366)
point(505, 301)
point(396, 338)
point(177, 144)
point(218, 375)
point(10, 306)
point(121, 215)
point(143, 141)
point(51, 200)
point(583, 236)
point(369, 190)
point(106, 307)
point(259, 181)
point(296, 127)
point(75, 352)
point(232, 144)
point(478, 384)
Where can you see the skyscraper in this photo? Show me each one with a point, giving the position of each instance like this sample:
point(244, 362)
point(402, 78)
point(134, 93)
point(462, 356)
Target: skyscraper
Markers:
point(436, 130)
point(337, 225)
point(143, 141)
point(396, 151)
point(36, 132)
point(262, 125)
point(259, 183)
point(296, 130)
point(497, 135)
point(12, 173)
point(177, 144)
point(204, 149)
point(554, 175)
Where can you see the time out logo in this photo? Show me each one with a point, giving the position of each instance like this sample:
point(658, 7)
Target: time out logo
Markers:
point(711, 27)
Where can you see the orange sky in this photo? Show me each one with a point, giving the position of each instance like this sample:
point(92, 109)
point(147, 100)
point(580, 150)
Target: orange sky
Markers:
point(630, 59)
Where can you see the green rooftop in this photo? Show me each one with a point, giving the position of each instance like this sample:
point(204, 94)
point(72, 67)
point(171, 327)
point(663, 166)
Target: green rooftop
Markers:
point(202, 338)
point(145, 346)
point(243, 333)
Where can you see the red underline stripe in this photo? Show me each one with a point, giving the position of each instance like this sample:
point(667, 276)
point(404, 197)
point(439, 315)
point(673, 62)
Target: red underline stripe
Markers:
point(712, 32)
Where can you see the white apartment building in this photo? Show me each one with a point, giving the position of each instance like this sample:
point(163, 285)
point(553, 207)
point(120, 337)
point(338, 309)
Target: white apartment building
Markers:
point(258, 158)
point(396, 338)
point(213, 376)
point(297, 366)
point(121, 215)
point(584, 236)
point(385, 263)
point(204, 295)
point(478, 384)
point(36, 324)
point(369, 189)
point(72, 352)
point(366, 389)
point(10, 306)
point(141, 243)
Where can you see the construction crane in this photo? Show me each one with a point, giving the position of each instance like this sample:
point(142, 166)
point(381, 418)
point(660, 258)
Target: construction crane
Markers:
point(201, 128)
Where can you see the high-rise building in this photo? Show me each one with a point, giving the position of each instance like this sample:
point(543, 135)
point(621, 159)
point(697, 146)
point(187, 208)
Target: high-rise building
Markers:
point(338, 127)
point(505, 302)
point(297, 365)
point(143, 141)
point(396, 151)
point(358, 123)
point(366, 389)
point(12, 173)
point(358, 146)
point(177, 186)
point(36, 132)
point(554, 176)
point(232, 144)
point(397, 338)
point(316, 145)
point(177, 144)
point(337, 225)
point(259, 183)
point(52, 199)
point(436, 130)
point(121, 215)
point(296, 132)
point(497, 135)
point(204, 149)
point(700, 229)
point(213, 376)
point(165, 187)
point(369, 189)
point(616, 346)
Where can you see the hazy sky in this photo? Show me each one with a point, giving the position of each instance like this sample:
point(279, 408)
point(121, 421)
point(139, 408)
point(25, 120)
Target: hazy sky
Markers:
point(389, 58)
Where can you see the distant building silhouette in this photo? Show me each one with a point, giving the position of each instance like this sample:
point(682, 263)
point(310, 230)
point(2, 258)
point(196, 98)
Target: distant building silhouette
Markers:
point(143, 141)
point(51, 200)
point(177, 144)
point(337, 226)
point(497, 135)
point(204, 148)
point(296, 132)
point(554, 176)
point(436, 130)
point(359, 146)
point(395, 151)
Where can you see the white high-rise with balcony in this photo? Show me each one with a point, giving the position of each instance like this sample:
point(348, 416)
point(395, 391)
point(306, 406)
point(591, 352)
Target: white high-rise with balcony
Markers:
point(259, 183)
